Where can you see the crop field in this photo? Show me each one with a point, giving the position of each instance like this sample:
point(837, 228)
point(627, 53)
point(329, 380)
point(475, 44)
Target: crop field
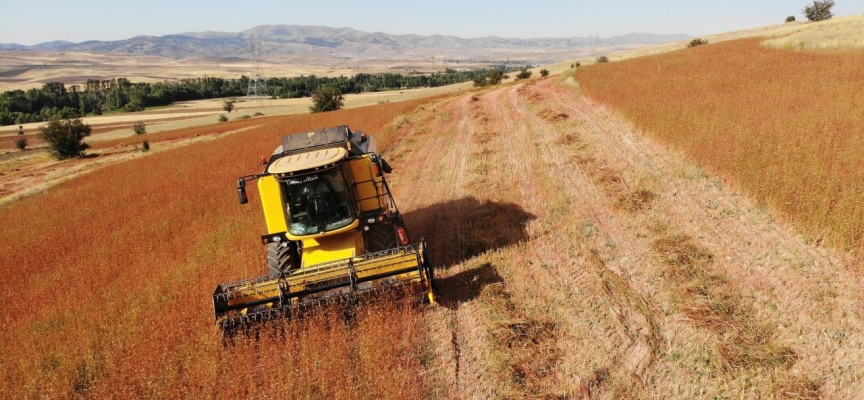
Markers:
point(785, 126)
point(577, 258)
point(137, 248)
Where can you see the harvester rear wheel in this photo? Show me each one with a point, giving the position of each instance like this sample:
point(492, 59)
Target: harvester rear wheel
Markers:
point(281, 258)
point(380, 237)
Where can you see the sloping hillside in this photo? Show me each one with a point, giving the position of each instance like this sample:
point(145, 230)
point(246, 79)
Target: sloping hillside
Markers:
point(783, 125)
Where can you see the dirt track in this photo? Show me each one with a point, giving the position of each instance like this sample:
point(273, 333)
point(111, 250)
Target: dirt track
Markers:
point(577, 259)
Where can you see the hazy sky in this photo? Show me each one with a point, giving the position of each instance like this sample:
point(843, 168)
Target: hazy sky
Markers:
point(36, 21)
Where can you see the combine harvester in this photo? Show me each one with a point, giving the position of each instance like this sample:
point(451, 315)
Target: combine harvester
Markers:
point(334, 234)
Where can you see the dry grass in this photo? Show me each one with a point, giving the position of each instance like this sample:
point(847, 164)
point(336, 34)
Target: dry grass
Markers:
point(784, 125)
point(843, 33)
point(838, 33)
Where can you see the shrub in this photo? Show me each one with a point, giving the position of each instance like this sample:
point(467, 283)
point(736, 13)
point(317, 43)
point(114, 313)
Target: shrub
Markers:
point(524, 73)
point(21, 143)
point(602, 59)
point(790, 18)
point(243, 117)
point(820, 10)
point(65, 138)
point(326, 98)
point(578, 64)
point(20, 130)
point(145, 146)
point(258, 114)
point(544, 72)
point(697, 42)
point(480, 81)
point(228, 105)
point(223, 118)
point(139, 128)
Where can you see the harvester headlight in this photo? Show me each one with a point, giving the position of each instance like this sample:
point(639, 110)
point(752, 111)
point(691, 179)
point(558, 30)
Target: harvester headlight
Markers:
point(371, 220)
point(277, 239)
point(366, 228)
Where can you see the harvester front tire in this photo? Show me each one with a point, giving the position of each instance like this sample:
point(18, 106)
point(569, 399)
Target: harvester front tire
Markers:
point(281, 258)
point(381, 237)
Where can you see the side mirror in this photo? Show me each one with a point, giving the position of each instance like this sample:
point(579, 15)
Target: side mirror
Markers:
point(385, 167)
point(241, 191)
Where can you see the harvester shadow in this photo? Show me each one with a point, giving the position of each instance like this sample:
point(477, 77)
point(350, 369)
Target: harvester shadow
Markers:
point(459, 230)
point(466, 285)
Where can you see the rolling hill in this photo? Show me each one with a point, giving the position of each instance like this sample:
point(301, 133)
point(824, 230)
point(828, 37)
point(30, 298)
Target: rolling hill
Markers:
point(347, 42)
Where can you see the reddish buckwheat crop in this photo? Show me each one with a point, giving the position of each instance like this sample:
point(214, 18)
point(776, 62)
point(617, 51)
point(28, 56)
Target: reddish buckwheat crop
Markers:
point(785, 125)
point(107, 282)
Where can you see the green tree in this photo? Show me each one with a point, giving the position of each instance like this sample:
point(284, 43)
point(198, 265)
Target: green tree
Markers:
point(495, 76)
point(21, 143)
point(228, 105)
point(790, 18)
point(524, 73)
point(65, 138)
point(544, 72)
point(133, 107)
point(820, 10)
point(480, 81)
point(326, 98)
point(139, 128)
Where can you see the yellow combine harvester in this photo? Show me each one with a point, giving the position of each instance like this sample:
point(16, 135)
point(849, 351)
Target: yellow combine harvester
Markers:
point(333, 231)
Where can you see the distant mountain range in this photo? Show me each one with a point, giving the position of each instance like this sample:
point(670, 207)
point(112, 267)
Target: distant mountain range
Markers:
point(325, 41)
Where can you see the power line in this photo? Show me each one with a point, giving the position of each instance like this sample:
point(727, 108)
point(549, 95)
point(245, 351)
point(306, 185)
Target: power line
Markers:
point(257, 90)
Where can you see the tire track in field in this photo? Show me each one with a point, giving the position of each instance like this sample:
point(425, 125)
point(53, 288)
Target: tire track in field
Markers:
point(434, 162)
point(745, 342)
point(594, 207)
point(633, 311)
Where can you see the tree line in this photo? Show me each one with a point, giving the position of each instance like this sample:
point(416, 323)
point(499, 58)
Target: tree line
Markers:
point(56, 101)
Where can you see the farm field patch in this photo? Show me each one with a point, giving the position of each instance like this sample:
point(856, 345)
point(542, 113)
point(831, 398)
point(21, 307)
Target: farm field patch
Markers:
point(782, 125)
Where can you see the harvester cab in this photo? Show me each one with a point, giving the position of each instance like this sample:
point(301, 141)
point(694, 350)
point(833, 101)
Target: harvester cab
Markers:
point(334, 233)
